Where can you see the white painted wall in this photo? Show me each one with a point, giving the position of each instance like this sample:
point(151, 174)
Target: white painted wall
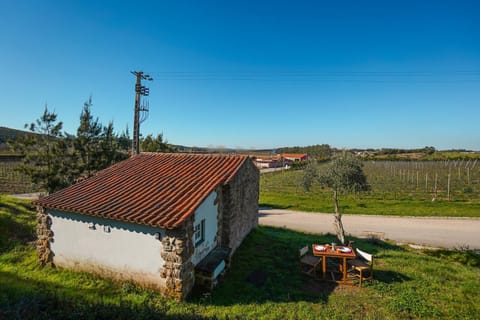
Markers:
point(126, 251)
point(207, 210)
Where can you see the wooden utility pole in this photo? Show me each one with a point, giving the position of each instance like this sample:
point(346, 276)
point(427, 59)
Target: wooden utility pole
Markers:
point(139, 92)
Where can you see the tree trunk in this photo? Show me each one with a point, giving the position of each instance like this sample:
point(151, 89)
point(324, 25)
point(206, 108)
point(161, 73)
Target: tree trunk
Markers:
point(338, 220)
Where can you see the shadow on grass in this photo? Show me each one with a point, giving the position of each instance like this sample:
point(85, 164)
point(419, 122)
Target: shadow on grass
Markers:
point(388, 277)
point(464, 256)
point(266, 206)
point(374, 245)
point(32, 299)
point(266, 269)
point(13, 229)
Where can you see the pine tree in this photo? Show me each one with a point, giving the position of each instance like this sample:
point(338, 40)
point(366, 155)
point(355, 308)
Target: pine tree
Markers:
point(150, 144)
point(87, 143)
point(124, 141)
point(109, 148)
point(47, 154)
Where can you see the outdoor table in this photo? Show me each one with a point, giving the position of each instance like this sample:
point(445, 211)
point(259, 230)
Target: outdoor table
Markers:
point(329, 253)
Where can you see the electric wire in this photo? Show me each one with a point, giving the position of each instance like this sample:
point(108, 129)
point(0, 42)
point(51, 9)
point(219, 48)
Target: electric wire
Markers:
point(445, 76)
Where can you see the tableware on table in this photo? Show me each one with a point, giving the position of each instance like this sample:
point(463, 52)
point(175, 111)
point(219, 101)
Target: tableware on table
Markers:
point(344, 250)
point(320, 248)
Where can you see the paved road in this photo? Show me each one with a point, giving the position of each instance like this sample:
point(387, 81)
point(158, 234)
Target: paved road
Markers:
point(26, 196)
point(435, 232)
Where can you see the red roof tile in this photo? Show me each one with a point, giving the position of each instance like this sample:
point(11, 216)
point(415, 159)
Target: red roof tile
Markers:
point(294, 155)
point(156, 189)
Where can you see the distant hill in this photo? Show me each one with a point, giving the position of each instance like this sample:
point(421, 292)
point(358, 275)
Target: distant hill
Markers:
point(9, 134)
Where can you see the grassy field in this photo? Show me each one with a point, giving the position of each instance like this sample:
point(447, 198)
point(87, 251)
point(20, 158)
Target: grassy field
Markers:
point(403, 188)
point(263, 283)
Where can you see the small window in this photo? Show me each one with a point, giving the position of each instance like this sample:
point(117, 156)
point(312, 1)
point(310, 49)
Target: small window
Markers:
point(199, 233)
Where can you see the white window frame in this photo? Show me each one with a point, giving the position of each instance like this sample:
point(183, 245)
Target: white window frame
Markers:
point(199, 233)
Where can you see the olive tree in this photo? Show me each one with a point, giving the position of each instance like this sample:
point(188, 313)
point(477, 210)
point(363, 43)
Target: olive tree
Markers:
point(310, 174)
point(343, 175)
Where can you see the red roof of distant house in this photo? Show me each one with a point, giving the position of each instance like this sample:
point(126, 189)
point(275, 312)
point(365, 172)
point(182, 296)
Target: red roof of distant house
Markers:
point(156, 189)
point(295, 155)
point(270, 157)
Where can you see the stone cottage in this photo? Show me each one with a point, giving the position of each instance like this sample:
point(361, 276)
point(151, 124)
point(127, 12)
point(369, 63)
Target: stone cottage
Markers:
point(152, 218)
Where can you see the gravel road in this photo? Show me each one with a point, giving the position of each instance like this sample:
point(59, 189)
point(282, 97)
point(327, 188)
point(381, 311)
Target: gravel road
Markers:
point(433, 232)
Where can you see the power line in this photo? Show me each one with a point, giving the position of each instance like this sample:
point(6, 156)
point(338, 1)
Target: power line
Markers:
point(421, 76)
point(432, 72)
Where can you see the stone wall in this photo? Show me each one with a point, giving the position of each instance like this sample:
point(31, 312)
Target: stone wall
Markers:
point(44, 237)
point(238, 206)
point(178, 269)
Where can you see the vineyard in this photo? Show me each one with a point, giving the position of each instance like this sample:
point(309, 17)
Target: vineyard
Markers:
point(12, 181)
point(423, 188)
point(425, 180)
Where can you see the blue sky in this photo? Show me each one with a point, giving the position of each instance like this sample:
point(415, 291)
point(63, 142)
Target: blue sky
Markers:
point(251, 74)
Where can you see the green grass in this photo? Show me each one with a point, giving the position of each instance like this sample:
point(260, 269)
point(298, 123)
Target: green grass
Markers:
point(408, 284)
point(283, 190)
point(367, 205)
point(17, 223)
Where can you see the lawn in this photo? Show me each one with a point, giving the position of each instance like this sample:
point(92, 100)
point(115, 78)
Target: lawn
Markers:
point(263, 283)
point(398, 195)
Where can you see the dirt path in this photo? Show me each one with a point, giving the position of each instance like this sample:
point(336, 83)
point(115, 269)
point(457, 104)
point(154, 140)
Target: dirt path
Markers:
point(435, 232)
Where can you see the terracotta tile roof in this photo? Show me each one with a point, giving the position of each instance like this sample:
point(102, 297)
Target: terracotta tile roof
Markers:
point(156, 189)
point(294, 155)
point(262, 157)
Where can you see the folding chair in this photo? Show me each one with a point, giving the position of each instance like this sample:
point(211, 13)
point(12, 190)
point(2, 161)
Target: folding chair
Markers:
point(308, 262)
point(361, 265)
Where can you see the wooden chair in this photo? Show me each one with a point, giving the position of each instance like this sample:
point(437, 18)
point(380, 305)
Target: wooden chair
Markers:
point(308, 262)
point(361, 265)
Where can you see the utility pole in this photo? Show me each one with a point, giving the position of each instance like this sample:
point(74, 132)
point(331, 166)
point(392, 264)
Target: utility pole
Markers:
point(139, 91)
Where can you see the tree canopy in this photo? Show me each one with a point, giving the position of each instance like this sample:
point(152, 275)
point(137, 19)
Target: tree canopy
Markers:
point(46, 153)
point(318, 151)
point(54, 160)
point(345, 175)
point(151, 144)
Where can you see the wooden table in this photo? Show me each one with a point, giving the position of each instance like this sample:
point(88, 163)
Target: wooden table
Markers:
point(329, 253)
